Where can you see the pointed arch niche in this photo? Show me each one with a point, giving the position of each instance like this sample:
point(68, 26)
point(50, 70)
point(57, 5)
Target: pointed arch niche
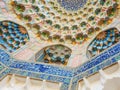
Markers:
point(55, 54)
point(102, 41)
point(12, 35)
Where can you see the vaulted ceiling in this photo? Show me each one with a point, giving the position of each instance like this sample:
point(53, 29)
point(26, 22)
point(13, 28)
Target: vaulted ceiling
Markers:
point(76, 25)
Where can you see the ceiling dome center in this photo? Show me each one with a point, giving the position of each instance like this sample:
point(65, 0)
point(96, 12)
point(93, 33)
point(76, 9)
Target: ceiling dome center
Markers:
point(72, 5)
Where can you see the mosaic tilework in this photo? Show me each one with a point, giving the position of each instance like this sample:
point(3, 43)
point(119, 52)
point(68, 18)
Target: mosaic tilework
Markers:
point(4, 73)
point(102, 41)
point(93, 70)
point(1, 67)
point(52, 23)
point(5, 58)
point(55, 54)
point(41, 68)
point(42, 76)
point(67, 76)
point(72, 5)
point(12, 35)
point(98, 59)
point(64, 87)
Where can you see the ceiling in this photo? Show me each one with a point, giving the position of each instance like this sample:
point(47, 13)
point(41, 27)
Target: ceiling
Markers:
point(49, 23)
point(65, 21)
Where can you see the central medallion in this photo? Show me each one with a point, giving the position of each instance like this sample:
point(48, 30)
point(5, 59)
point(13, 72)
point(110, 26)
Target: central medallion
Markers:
point(72, 5)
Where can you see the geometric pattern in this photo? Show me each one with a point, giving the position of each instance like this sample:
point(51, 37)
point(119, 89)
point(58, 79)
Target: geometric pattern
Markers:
point(69, 77)
point(56, 54)
point(12, 35)
point(58, 20)
point(72, 5)
point(102, 41)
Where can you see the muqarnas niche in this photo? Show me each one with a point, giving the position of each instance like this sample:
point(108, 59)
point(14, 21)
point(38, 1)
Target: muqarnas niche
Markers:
point(12, 35)
point(54, 54)
point(102, 41)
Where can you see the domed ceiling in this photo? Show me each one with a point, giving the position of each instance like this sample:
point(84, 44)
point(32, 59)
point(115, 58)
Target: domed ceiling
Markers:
point(65, 20)
point(72, 4)
point(73, 23)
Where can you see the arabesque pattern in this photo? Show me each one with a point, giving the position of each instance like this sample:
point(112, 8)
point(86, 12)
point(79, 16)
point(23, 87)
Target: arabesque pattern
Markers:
point(60, 74)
